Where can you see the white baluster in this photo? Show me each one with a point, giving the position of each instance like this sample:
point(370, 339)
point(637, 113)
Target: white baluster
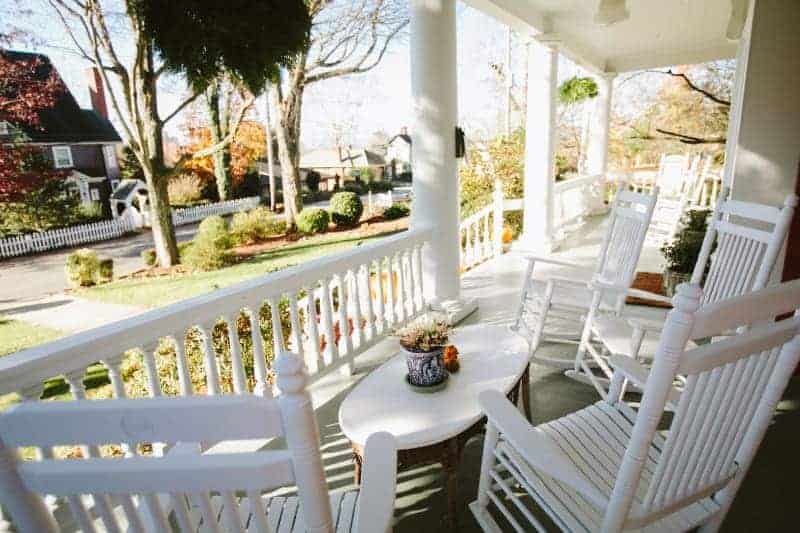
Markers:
point(326, 309)
point(184, 377)
point(278, 342)
point(262, 387)
point(401, 299)
point(210, 360)
point(366, 296)
point(345, 341)
point(297, 332)
point(316, 361)
point(390, 318)
point(152, 372)
point(237, 365)
point(380, 316)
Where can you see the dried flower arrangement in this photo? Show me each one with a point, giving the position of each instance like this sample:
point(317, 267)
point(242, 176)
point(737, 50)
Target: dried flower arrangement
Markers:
point(425, 334)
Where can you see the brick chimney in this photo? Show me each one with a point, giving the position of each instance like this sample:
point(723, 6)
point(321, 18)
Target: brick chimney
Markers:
point(97, 93)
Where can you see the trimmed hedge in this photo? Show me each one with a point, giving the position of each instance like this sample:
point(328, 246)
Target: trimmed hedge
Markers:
point(211, 247)
point(313, 220)
point(82, 267)
point(149, 256)
point(346, 209)
point(396, 211)
point(255, 225)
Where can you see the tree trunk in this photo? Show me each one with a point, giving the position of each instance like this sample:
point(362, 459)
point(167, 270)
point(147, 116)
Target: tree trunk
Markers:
point(218, 125)
point(151, 156)
point(287, 132)
point(270, 154)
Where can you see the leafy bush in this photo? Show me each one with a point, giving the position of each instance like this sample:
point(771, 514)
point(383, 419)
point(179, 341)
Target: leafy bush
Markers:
point(211, 247)
point(255, 225)
point(55, 204)
point(248, 185)
point(346, 209)
point(380, 186)
point(366, 174)
point(357, 187)
point(506, 156)
point(396, 211)
point(90, 212)
point(185, 190)
point(105, 270)
point(682, 252)
point(312, 180)
point(82, 268)
point(313, 220)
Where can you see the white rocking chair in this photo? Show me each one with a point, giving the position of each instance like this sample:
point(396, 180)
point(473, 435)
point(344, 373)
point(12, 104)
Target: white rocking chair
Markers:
point(745, 256)
point(679, 180)
point(608, 468)
point(555, 310)
point(196, 492)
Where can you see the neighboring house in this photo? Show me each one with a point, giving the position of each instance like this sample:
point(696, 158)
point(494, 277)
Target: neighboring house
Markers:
point(73, 139)
point(341, 164)
point(398, 155)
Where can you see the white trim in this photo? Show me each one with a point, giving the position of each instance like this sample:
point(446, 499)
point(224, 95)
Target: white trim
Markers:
point(56, 156)
point(110, 157)
point(666, 58)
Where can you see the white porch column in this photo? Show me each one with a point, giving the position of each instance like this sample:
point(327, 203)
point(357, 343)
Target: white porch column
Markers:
point(540, 147)
point(435, 169)
point(597, 150)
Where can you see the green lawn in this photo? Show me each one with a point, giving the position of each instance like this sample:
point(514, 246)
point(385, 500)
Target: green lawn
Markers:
point(155, 292)
point(16, 335)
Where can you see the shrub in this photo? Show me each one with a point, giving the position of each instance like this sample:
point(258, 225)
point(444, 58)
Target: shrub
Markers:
point(149, 257)
point(211, 247)
point(105, 270)
point(82, 267)
point(380, 186)
point(396, 211)
point(682, 252)
point(357, 187)
point(313, 220)
point(312, 180)
point(255, 225)
point(248, 185)
point(185, 190)
point(346, 209)
point(90, 212)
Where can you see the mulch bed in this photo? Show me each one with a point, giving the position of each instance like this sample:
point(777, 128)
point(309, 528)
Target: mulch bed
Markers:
point(650, 282)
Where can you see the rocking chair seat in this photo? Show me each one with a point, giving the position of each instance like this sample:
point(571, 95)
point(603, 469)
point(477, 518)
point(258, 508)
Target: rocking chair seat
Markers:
point(283, 512)
point(617, 334)
point(593, 439)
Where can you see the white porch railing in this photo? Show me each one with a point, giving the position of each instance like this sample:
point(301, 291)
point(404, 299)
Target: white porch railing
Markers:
point(481, 234)
point(575, 199)
point(59, 238)
point(346, 291)
point(193, 214)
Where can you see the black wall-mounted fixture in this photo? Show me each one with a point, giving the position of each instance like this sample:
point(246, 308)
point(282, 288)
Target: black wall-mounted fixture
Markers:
point(461, 143)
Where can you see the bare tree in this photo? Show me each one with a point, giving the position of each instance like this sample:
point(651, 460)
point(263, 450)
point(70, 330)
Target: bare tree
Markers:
point(133, 90)
point(346, 38)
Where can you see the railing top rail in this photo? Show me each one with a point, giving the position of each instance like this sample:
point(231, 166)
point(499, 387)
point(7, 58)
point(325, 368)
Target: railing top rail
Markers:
point(482, 212)
point(578, 181)
point(29, 367)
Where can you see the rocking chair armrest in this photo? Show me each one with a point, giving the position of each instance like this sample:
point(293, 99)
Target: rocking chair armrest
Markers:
point(599, 284)
point(643, 324)
point(637, 374)
point(552, 261)
point(535, 447)
point(379, 484)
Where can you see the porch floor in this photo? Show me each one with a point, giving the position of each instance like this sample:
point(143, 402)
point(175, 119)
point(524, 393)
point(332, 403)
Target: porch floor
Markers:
point(764, 500)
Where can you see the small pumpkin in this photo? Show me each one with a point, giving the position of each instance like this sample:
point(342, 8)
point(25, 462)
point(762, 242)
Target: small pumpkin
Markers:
point(451, 362)
point(508, 236)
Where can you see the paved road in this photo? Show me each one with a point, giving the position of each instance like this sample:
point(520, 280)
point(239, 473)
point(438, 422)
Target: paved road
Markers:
point(32, 277)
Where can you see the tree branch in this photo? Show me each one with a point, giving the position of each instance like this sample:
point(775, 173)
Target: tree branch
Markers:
point(691, 139)
point(708, 94)
point(180, 107)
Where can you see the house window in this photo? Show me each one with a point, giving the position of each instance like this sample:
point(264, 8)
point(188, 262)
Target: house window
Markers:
point(95, 195)
point(62, 157)
point(4, 129)
point(110, 156)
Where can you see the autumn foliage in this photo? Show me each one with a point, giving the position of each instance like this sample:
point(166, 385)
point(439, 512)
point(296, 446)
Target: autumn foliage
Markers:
point(25, 89)
point(247, 147)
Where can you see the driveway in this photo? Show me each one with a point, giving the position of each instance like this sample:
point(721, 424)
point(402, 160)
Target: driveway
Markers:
point(32, 277)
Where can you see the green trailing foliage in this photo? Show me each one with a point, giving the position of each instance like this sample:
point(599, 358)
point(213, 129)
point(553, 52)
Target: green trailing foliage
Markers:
point(82, 268)
point(346, 209)
point(255, 226)
point(313, 220)
point(396, 211)
point(211, 247)
point(575, 90)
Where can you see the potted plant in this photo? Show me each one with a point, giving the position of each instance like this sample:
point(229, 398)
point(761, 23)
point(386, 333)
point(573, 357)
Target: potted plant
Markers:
point(423, 342)
point(682, 252)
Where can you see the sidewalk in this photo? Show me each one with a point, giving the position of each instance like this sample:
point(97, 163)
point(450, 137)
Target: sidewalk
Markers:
point(67, 313)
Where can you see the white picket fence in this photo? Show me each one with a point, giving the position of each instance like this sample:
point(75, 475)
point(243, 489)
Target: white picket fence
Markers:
point(199, 212)
point(59, 238)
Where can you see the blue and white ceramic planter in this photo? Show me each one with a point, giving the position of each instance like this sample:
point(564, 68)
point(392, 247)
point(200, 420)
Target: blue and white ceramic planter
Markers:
point(425, 369)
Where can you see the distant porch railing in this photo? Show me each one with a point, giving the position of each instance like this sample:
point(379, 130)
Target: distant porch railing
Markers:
point(574, 199)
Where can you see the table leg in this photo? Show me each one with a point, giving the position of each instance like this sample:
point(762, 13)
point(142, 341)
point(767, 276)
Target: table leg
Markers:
point(451, 460)
point(525, 385)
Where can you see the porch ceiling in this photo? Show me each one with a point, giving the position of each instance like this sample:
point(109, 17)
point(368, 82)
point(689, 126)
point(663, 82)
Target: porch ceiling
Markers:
point(657, 33)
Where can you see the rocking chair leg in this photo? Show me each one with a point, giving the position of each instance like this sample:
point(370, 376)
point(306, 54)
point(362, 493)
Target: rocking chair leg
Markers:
point(526, 393)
